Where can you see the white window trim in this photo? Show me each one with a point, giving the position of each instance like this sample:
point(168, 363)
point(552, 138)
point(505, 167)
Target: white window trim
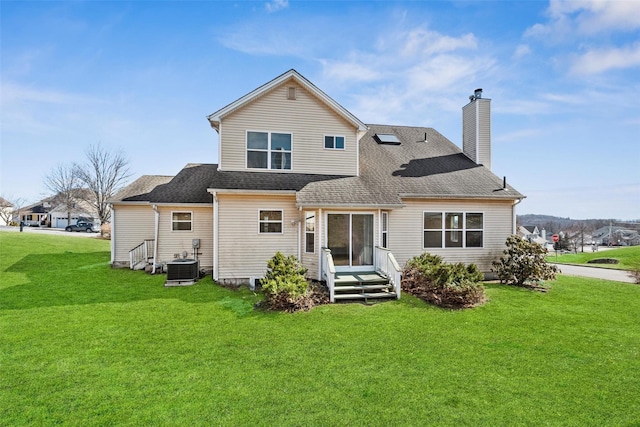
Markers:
point(334, 142)
point(306, 233)
point(462, 230)
point(281, 221)
point(173, 221)
point(268, 150)
point(384, 228)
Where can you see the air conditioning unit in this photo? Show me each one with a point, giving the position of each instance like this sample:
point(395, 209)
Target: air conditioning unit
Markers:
point(182, 270)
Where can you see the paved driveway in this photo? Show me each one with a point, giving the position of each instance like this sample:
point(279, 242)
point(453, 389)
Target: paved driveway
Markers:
point(595, 272)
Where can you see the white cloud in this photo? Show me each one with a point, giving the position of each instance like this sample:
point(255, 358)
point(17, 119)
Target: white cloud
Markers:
point(589, 17)
point(595, 16)
point(276, 5)
point(598, 61)
point(521, 51)
point(414, 70)
point(424, 42)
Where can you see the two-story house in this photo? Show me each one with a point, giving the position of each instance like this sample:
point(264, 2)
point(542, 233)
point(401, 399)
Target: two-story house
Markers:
point(300, 174)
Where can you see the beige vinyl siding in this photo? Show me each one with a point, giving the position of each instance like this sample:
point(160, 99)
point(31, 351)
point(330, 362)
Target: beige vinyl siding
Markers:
point(172, 242)
point(484, 132)
point(306, 118)
point(469, 134)
point(132, 225)
point(406, 230)
point(243, 251)
point(476, 131)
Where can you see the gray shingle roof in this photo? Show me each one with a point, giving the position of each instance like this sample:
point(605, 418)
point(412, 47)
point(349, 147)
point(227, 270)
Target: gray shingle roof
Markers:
point(435, 168)
point(266, 181)
point(138, 190)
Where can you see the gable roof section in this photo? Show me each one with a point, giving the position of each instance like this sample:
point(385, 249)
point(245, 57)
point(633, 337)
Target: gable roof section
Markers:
point(215, 118)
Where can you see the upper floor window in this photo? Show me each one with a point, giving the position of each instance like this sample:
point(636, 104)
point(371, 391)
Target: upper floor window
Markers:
point(268, 150)
point(453, 230)
point(181, 221)
point(334, 142)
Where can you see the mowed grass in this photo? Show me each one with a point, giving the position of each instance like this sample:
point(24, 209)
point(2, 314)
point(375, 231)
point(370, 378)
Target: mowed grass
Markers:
point(82, 344)
point(628, 258)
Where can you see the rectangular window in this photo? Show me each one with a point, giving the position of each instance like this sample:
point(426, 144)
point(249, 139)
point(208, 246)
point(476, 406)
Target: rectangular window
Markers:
point(268, 150)
point(270, 221)
point(181, 221)
point(452, 230)
point(309, 232)
point(334, 142)
point(385, 230)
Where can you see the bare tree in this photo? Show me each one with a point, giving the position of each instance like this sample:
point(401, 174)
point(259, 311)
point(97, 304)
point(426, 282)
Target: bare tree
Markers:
point(63, 182)
point(9, 207)
point(104, 174)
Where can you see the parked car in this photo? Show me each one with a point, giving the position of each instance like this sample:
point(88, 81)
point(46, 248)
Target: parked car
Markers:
point(89, 227)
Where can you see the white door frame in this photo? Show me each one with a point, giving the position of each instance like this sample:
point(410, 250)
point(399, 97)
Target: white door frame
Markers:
point(350, 267)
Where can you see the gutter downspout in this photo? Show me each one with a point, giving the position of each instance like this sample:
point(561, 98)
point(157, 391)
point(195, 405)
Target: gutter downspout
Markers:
point(155, 240)
point(215, 235)
point(300, 219)
point(113, 240)
point(514, 215)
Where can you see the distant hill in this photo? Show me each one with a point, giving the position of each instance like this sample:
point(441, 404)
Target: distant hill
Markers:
point(555, 224)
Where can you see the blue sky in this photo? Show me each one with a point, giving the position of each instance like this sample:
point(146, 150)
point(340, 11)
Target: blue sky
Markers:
point(564, 79)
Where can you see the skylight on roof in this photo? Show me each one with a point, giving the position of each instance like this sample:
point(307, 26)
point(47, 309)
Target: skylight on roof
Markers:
point(387, 138)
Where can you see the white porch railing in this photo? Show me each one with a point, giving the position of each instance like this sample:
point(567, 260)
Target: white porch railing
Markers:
point(385, 263)
point(328, 272)
point(140, 253)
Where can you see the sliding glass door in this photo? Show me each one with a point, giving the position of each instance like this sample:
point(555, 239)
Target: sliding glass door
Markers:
point(350, 238)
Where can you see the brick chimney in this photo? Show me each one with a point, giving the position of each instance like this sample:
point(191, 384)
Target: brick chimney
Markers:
point(476, 129)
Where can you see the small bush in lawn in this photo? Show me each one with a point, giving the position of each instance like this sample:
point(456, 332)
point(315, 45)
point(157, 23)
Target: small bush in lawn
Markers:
point(446, 285)
point(285, 286)
point(523, 264)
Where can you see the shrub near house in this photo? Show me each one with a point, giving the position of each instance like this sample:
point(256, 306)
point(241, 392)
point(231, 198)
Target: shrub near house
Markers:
point(447, 285)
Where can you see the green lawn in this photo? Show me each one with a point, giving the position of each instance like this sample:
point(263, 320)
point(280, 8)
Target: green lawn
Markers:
point(629, 258)
point(82, 344)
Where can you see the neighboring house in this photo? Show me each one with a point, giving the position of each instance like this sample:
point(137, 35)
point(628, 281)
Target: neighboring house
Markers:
point(300, 174)
point(616, 236)
point(50, 212)
point(6, 211)
point(532, 234)
point(80, 210)
point(37, 214)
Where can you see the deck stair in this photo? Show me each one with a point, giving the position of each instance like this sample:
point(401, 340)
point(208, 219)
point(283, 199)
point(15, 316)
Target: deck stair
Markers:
point(362, 286)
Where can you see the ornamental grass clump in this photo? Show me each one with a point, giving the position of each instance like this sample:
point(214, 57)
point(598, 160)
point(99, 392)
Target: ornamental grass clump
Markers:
point(443, 284)
point(524, 264)
point(285, 286)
